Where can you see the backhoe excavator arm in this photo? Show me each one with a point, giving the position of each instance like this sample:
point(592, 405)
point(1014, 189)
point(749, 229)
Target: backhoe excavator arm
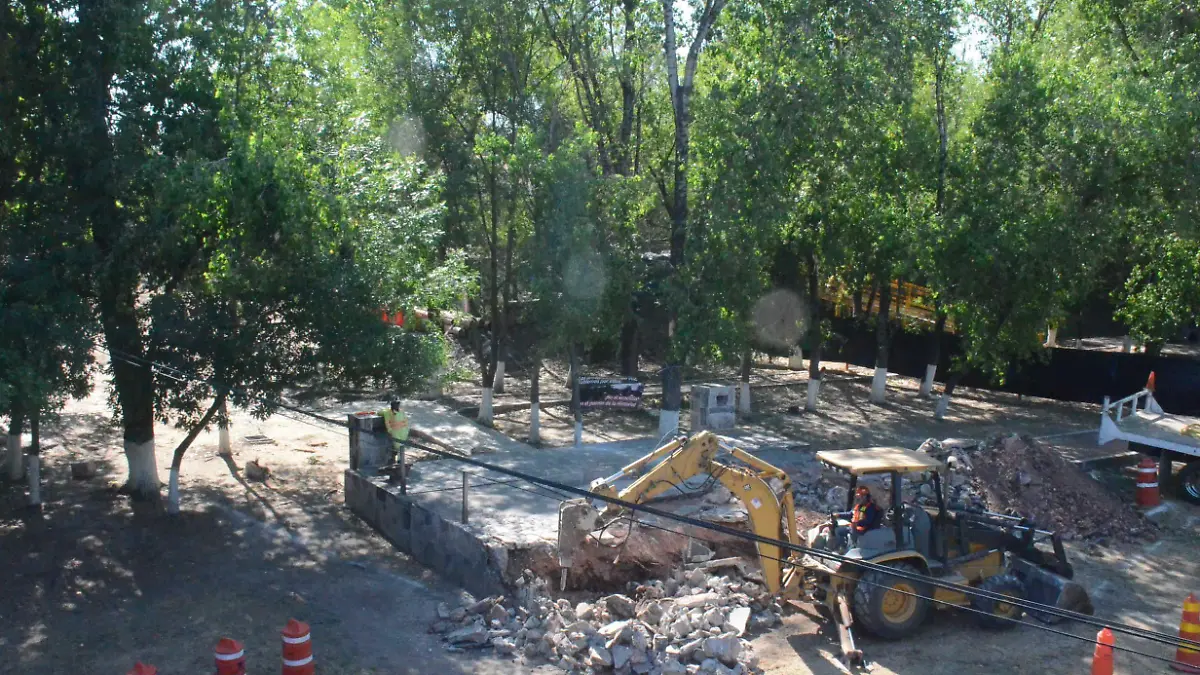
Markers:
point(682, 459)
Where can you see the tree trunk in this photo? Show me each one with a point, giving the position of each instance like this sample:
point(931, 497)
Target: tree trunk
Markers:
point(628, 90)
point(35, 461)
point(935, 353)
point(871, 301)
point(629, 347)
point(224, 446)
point(744, 393)
point(535, 397)
point(882, 342)
point(815, 338)
point(944, 401)
point(177, 459)
point(490, 363)
point(573, 379)
point(16, 460)
point(857, 298)
point(135, 391)
point(939, 95)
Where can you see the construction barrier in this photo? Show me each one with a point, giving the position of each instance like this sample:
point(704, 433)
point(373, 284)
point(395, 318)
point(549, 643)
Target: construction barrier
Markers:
point(1188, 660)
point(1147, 483)
point(140, 668)
point(1102, 657)
point(230, 657)
point(297, 649)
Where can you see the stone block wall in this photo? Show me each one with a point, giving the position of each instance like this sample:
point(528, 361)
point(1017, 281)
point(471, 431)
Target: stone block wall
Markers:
point(446, 546)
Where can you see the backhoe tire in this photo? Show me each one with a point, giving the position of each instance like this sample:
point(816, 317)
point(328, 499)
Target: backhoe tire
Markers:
point(891, 607)
point(996, 614)
point(1188, 482)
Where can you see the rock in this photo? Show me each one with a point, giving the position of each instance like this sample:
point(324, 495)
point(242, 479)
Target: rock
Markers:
point(443, 611)
point(697, 600)
point(82, 470)
point(738, 619)
point(835, 499)
point(931, 446)
point(620, 605)
point(714, 617)
point(497, 613)
point(724, 649)
point(718, 495)
point(681, 627)
point(533, 623)
point(714, 667)
point(652, 613)
point(688, 650)
point(697, 577)
point(639, 639)
point(504, 645)
point(583, 610)
point(473, 634)
point(458, 614)
point(599, 657)
point(478, 607)
point(620, 656)
point(698, 552)
point(671, 666)
point(614, 629)
point(927, 491)
point(441, 626)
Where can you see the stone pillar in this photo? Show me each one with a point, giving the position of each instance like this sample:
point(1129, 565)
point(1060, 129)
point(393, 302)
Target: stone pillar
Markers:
point(370, 448)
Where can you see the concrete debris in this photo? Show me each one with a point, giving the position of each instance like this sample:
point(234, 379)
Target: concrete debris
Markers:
point(692, 622)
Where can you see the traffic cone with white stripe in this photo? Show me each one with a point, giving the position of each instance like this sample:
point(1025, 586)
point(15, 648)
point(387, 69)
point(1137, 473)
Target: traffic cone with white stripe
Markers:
point(297, 649)
point(1187, 660)
point(230, 657)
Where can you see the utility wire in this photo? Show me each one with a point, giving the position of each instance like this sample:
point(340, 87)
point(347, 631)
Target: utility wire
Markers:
point(561, 488)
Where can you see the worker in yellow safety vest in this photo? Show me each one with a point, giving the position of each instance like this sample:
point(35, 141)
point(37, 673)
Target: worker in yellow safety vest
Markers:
point(395, 421)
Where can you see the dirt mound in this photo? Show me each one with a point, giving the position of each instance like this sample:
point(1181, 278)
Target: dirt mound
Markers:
point(1019, 475)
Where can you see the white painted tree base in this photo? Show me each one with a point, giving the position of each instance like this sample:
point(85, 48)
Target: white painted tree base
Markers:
point(1052, 337)
point(814, 391)
point(535, 424)
point(879, 385)
point(224, 445)
point(35, 481)
point(744, 398)
point(927, 383)
point(796, 360)
point(485, 407)
point(173, 492)
point(1127, 344)
point(668, 423)
point(498, 384)
point(942, 405)
point(14, 460)
point(143, 468)
point(578, 434)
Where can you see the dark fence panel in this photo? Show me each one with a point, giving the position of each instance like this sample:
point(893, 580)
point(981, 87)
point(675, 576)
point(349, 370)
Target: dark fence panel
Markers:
point(1068, 374)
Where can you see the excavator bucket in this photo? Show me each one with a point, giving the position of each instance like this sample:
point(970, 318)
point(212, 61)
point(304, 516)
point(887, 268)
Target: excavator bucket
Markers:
point(1046, 587)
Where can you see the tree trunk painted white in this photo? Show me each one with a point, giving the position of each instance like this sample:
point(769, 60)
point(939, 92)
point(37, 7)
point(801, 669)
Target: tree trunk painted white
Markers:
point(942, 404)
point(35, 481)
point(224, 445)
point(814, 390)
point(578, 433)
point(1127, 344)
point(143, 467)
point(498, 384)
point(744, 399)
point(173, 492)
point(796, 360)
point(879, 385)
point(1051, 337)
point(927, 383)
point(16, 461)
point(535, 424)
point(485, 408)
point(668, 423)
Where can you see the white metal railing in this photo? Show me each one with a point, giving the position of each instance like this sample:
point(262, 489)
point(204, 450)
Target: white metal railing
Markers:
point(1132, 400)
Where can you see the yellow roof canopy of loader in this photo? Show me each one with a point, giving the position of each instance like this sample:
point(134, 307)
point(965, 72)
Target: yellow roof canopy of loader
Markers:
point(879, 460)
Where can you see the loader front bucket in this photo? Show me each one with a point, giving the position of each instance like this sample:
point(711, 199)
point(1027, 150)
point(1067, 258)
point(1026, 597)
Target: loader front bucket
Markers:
point(1049, 588)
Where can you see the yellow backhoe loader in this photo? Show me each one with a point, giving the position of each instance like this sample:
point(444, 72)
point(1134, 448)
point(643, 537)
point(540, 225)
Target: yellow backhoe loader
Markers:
point(953, 546)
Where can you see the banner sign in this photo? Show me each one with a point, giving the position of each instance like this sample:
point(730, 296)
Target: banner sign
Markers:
point(597, 393)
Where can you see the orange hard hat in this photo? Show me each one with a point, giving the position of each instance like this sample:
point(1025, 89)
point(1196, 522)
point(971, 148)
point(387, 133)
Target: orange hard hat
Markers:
point(862, 490)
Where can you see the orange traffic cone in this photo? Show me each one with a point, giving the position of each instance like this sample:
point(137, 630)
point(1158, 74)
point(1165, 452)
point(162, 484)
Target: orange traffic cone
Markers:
point(297, 649)
point(140, 668)
point(1102, 657)
point(230, 657)
point(1187, 659)
point(1150, 381)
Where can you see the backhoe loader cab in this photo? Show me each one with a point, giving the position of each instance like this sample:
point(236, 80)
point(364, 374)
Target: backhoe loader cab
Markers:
point(953, 546)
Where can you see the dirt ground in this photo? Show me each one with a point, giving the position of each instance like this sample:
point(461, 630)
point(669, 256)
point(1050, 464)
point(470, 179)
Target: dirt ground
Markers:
point(95, 580)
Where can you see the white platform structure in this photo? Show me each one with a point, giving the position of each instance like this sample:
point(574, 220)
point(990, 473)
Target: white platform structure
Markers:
point(1138, 418)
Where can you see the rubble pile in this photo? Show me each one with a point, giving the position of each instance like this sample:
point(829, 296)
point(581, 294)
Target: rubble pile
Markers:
point(691, 623)
point(1017, 475)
